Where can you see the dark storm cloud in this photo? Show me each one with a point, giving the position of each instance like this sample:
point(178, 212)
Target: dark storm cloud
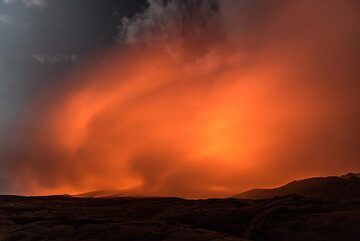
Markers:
point(61, 32)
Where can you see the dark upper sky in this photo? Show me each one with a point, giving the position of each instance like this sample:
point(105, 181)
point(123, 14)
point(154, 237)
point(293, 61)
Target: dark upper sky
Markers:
point(40, 40)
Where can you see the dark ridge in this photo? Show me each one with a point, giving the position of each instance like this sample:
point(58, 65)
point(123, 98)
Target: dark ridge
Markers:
point(346, 186)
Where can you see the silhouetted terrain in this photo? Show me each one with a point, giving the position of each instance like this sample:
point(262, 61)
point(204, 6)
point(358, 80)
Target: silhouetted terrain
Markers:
point(287, 218)
point(346, 186)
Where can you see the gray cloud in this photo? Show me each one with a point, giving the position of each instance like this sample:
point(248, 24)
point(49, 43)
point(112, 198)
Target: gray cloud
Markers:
point(6, 19)
point(185, 21)
point(28, 3)
point(54, 59)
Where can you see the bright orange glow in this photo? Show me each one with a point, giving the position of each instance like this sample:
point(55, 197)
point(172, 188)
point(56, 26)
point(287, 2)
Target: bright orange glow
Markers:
point(212, 124)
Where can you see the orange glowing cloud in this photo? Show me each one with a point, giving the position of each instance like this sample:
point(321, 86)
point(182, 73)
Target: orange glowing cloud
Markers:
point(246, 110)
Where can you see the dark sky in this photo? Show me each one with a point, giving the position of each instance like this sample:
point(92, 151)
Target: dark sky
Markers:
point(63, 31)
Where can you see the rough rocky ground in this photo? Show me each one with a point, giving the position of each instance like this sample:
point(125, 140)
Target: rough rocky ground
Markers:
point(287, 218)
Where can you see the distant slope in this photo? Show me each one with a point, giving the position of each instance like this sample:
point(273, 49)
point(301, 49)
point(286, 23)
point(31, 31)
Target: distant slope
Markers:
point(345, 186)
point(133, 193)
point(101, 194)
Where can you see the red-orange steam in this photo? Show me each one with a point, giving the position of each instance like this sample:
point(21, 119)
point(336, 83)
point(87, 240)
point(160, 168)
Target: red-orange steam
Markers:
point(259, 107)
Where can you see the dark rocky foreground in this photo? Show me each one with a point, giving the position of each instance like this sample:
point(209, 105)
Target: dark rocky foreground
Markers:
point(290, 218)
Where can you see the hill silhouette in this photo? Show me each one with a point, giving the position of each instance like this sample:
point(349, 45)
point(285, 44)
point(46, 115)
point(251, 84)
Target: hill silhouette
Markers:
point(346, 186)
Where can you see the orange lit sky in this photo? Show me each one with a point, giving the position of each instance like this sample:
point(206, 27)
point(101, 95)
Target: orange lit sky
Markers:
point(253, 95)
